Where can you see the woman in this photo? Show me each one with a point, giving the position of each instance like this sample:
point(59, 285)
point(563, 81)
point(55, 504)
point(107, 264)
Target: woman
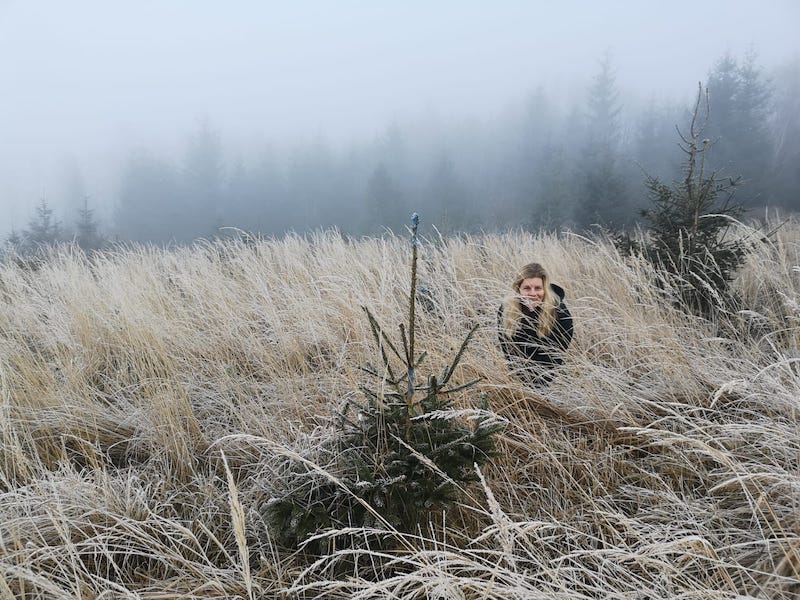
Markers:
point(534, 325)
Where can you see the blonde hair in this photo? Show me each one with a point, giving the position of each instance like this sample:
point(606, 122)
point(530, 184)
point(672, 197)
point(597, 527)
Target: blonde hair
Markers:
point(512, 311)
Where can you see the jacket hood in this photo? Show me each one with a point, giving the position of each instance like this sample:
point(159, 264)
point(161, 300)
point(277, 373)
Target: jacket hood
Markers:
point(558, 291)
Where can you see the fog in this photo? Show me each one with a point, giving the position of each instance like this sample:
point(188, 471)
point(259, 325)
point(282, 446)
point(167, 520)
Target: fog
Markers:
point(85, 83)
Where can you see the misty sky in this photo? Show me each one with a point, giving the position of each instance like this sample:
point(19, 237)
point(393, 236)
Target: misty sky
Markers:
point(86, 81)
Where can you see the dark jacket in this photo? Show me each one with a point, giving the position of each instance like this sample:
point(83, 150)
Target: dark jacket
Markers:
point(531, 355)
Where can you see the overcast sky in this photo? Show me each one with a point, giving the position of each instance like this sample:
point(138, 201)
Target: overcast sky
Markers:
point(85, 81)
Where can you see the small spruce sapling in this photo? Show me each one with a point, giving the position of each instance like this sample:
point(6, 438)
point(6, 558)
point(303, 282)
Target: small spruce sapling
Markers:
point(688, 226)
point(396, 456)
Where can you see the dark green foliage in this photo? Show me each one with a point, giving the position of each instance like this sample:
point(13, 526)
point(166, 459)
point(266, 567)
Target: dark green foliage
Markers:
point(688, 227)
point(393, 457)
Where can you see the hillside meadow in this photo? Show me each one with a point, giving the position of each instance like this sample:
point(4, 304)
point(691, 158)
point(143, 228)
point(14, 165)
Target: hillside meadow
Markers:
point(154, 399)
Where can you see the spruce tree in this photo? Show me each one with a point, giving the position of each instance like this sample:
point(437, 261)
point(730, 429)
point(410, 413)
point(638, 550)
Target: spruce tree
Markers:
point(740, 99)
point(397, 455)
point(688, 224)
point(603, 198)
point(14, 239)
point(43, 228)
point(87, 231)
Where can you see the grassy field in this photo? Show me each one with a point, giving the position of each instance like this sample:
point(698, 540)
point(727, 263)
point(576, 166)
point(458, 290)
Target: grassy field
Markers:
point(152, 400)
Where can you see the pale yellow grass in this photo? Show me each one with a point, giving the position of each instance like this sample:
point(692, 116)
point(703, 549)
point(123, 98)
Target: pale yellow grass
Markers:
point(664, 460)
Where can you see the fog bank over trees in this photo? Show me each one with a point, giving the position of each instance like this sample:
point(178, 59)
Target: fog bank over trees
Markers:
point(167, 123)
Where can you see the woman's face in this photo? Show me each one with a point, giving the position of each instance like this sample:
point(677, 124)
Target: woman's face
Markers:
point(531, 291)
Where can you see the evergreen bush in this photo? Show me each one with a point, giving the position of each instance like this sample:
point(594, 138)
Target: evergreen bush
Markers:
point(393, 457)
point(689, 226)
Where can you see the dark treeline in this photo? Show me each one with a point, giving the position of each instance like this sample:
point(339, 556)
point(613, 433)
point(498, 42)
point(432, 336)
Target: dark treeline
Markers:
point(556, 163)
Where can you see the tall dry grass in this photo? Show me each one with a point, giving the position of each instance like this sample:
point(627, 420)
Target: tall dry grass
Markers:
point(152, 400)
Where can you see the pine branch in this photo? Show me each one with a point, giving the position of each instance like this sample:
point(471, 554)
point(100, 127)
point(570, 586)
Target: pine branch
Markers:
point(449, 371)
